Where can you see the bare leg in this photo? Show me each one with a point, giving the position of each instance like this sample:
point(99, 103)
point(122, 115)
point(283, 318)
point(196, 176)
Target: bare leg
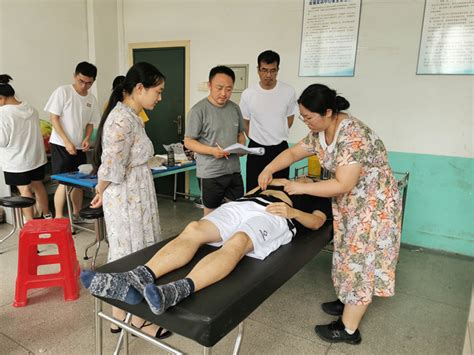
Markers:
point(118, 314)
point(59, 201)
point(26, 192)
point(211, 269)
point(128, 286)
point(217, 265)
point(41, 196)
point(76, 198)
point(353, 315)
point(137, 322)
point(181, 250)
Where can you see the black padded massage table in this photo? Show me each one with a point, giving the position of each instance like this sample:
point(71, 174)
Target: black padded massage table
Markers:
point(210, 314)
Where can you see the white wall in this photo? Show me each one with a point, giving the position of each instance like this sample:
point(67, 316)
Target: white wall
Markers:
point(42, 42)
point(106, 53)
point(416, 114)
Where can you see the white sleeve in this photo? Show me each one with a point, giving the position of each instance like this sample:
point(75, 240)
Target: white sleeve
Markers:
point(95, 113)
point(244, 105)
point(292, 108)
point(55, 103)
point(5, 132)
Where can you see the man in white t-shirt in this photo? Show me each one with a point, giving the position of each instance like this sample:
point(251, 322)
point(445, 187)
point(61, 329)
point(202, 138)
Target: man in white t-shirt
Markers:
point(73, 111)
point(269, 108)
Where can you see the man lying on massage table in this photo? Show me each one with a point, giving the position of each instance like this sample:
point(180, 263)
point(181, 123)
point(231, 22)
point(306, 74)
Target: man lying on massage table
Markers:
point(255, 225)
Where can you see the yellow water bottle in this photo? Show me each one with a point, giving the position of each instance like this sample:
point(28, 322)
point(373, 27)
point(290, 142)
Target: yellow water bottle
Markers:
point(314, 167)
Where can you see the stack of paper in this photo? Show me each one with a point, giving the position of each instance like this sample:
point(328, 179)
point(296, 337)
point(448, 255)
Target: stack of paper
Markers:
point(238, 148)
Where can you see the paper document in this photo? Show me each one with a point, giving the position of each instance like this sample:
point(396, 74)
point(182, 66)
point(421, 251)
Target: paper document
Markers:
point(238, 148)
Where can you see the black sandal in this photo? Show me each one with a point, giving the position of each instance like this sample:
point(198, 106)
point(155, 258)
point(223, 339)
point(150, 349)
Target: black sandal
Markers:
point(115, 330)
point(161, 333)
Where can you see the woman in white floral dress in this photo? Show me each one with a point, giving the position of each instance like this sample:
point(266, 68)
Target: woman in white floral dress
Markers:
point(366, 206)
point(125, 186)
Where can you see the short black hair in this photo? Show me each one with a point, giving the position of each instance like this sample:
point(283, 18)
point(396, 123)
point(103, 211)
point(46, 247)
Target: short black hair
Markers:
point(86, 69)
point(221, 69)
point(268, 57)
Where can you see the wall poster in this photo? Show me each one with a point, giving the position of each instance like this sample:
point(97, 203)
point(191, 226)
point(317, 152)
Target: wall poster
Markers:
point(329, 37)
point(447, 38)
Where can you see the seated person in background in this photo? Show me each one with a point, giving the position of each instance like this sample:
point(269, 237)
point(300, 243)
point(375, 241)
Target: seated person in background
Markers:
point(254, 225)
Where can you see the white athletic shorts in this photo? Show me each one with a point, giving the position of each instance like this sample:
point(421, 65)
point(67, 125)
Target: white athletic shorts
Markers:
point(267, 231)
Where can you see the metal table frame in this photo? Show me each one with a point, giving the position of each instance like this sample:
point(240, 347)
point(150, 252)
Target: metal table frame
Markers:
point(127, 328)
point(175, 171)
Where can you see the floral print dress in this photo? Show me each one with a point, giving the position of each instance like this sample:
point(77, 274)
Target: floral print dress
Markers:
point(129, 202)
point(367, 220)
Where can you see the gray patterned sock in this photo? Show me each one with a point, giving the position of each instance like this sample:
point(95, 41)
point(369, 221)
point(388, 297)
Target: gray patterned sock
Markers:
point(125, 286)
point(160, 298)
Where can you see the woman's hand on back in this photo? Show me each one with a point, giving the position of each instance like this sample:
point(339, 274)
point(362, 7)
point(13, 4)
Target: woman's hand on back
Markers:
point(295, 188)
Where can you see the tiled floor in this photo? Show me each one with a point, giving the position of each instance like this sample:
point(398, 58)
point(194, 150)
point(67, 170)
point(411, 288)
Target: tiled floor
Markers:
point(428, 315)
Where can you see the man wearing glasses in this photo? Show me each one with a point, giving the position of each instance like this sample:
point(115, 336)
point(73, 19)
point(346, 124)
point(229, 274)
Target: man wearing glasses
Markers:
point(269, 108)
point(73, 111)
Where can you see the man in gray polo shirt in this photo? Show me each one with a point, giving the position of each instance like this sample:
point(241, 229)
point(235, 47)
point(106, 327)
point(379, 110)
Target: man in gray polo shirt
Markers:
point(213, 124)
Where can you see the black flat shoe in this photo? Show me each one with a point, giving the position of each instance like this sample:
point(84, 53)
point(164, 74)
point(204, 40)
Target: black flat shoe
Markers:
point(115, 330)
point(334, 308)
point(335, 333)
point(161, 333)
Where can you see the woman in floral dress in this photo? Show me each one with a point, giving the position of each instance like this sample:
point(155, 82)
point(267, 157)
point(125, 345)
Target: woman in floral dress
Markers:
point(125, 188)
point(366, 206)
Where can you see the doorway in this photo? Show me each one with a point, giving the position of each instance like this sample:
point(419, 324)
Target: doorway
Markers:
point(167, 119)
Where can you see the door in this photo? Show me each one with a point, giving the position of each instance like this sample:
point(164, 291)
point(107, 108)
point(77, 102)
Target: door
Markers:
point(166, 124)
point(167, 118)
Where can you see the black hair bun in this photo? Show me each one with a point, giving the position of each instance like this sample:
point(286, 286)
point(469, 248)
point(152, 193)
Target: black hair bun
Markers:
point(5, 78)
point(342, 103)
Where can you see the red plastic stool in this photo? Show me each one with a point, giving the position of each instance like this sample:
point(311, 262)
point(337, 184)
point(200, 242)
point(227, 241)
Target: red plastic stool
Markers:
point(46, 231)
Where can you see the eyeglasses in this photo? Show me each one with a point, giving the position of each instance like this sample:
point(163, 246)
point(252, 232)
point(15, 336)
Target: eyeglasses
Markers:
point(267, 71)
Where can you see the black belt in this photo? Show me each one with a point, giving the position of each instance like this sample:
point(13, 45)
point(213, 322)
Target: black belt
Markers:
point(265, 202)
